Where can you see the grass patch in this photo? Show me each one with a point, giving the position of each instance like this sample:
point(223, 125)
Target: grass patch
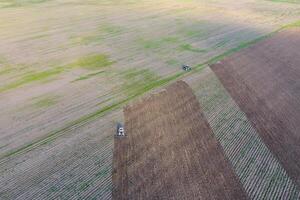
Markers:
point(45, 102)
point(32, 77)
point(5, 70)
point(18, 3)
point(135, 79)
point(172, 62)
point(200, 29)
point(87, 40)
point(170, 40)
point(221, 44)
point(149, 44)
point(188, 47)
point(84, 77)
point(157, 43)
point(2, 60)
point(99, 35)
point(294, 24)
point(112, 30)
point(286, 1)
point(92, 62)
point(195, 33)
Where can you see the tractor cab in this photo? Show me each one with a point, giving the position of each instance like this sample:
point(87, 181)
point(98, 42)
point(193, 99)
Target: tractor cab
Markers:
point(186, 68)
point(120, 130)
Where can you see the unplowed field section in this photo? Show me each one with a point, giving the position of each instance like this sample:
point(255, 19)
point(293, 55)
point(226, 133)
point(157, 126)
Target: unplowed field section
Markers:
point(264, 80)
point(170, 152)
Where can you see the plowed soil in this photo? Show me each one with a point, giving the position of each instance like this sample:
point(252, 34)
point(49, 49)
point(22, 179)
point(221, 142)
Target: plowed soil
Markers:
point(264, 81)
point(170, 152)
point(67, 67)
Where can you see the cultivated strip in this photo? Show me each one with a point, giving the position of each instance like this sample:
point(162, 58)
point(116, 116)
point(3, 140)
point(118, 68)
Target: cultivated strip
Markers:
point(259, 171)
point(264, 81)
point(171, 152)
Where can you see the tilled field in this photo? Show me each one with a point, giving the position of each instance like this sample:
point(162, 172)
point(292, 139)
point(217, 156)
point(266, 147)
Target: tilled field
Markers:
point(170, 152)
point(68, 66)
point(264, 81)
point(259, 171)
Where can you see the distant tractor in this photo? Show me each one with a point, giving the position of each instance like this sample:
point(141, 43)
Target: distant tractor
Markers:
point(120, 130)
point(186, 68)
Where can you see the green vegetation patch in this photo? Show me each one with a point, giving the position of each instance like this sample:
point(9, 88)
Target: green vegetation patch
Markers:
point(32, 77)
point(2, 60)
point(157, 43)
point(17, 3)
point(172, 62)
point(221, 44)
point(286, 1)
point(86, 40)
point(188, 47)
point(295, 24)
point(45, 101)
point(195, 33)
point(200, 29)
point(92, 62)
point(197, 30)
point(87, 76)
point(110, 29)
point(4, 67)
point(103, 31)
point(149, 44)
point(136, 79)
point(5, 70)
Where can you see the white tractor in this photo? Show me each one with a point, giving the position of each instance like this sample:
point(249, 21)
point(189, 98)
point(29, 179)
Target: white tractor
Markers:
point(120, 130)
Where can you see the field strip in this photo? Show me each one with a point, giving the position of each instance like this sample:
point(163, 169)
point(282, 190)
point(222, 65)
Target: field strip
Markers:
point(267, 90)
point(82, 162)
point(171, 152)
point(259, 171)
point(158, 83)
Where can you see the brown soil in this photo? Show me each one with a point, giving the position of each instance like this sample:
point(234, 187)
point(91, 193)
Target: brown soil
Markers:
point(264, 81)
point(170, 152)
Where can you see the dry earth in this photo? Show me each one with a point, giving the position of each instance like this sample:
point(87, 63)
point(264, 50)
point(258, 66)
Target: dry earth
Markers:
point(264, 81)
point(259, 171)
point(170, 151)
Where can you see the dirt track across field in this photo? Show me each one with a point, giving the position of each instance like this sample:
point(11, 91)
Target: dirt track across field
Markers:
point(170, 152)
point(264, 81)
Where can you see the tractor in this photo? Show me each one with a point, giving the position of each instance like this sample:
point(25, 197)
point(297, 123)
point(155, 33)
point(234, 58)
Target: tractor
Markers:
point(186, 68)
point(120, 130)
